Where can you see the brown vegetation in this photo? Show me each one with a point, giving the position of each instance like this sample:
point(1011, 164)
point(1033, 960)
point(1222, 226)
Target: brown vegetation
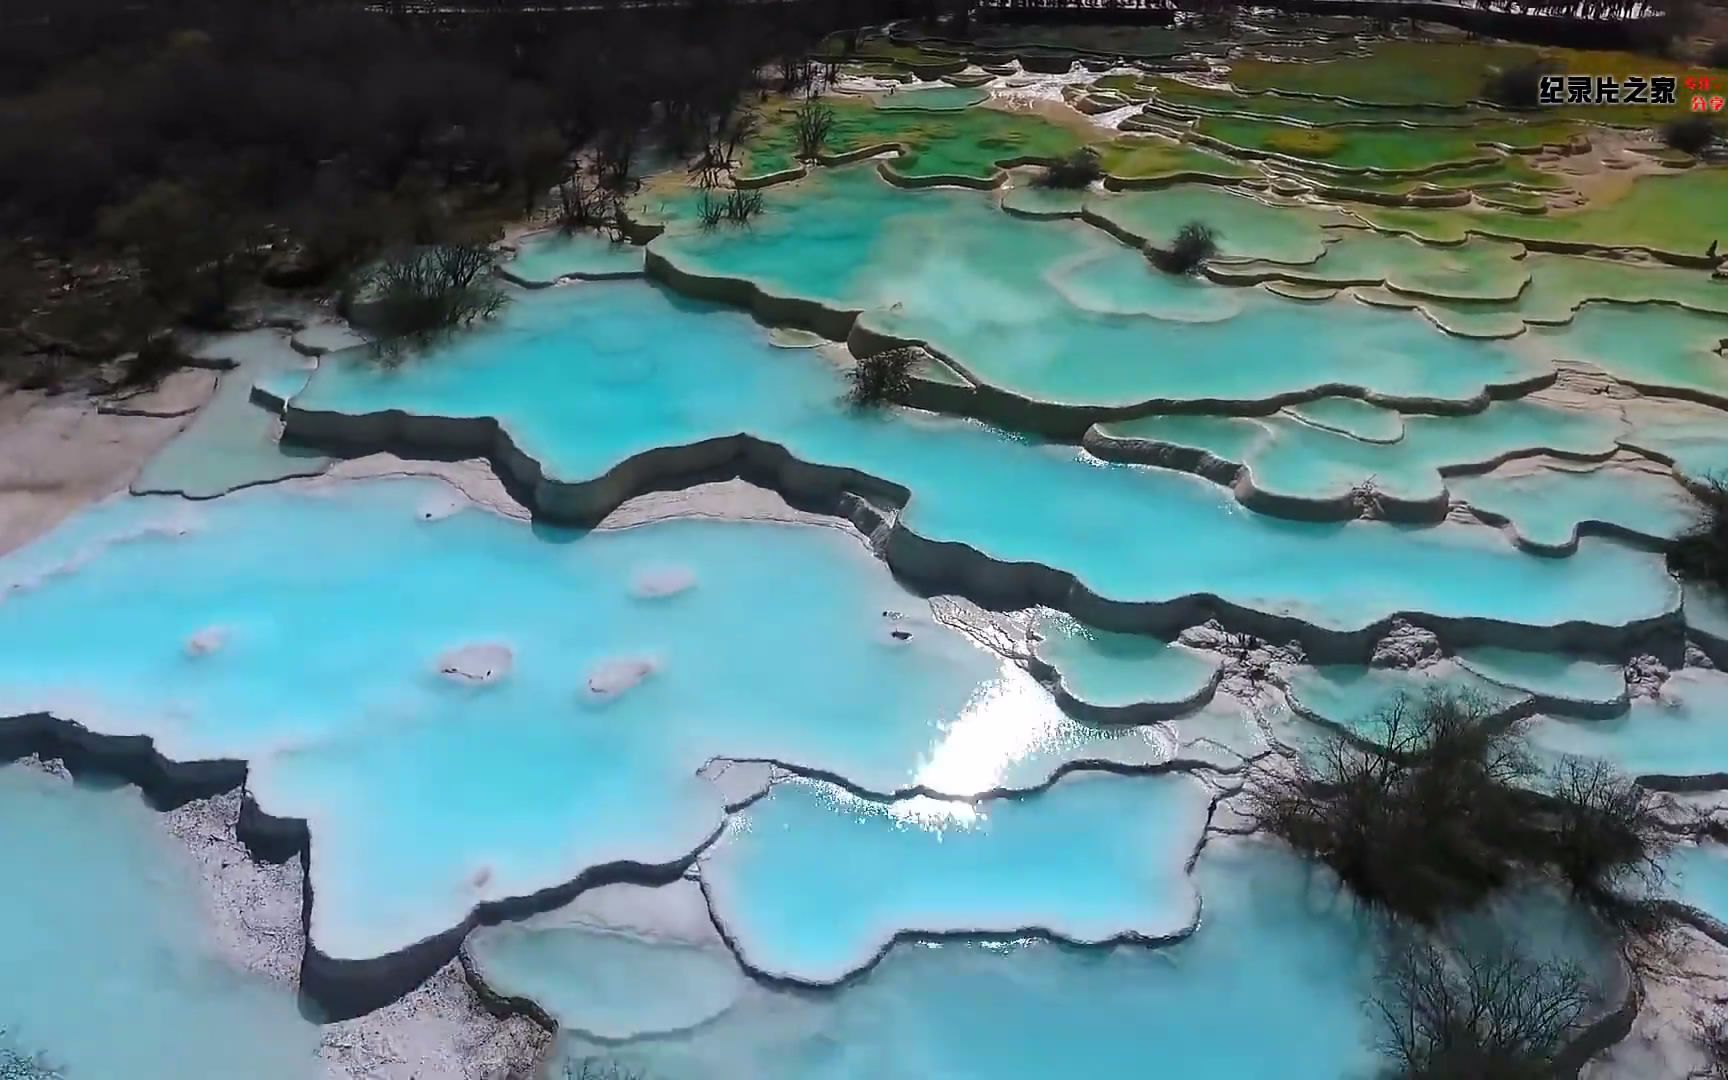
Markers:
point(1700, 554)
point(1080, 169)
point(1444, 807)
point(1193, 244)
point(158, 161)
point(882, 377)
point(1490, 1014)
point(415, 296)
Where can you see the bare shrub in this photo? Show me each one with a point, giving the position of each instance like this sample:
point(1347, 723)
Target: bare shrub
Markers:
point(1486, 1015)
point(1691, 133)
point(582, 205)
point(420, 294)
point(736, 207)
point(1367, 500)
point(1249, 660)
point(744, 125)
point(1414, 822)
point(615, 159)
point(1443, 807)
point(1700, 554)
point(1607, 843)
point(882, 377)
point(710, 208)
point(155, 359)
point(742, 204)
point(1073, 171)
point(797, 70)
point(812, 124)
point(1194, 243)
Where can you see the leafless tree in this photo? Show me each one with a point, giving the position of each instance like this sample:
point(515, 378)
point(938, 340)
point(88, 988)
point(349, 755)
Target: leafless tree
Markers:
point(812, 124)
point(1489, 1014)
point(1400, 816)
point(581, 204)
point(1608, 843)
point(425, 292)
point(1073, 171)
point(1436, 803)
point(1701, 552)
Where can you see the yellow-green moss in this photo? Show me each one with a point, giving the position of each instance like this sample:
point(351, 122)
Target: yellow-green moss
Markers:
point(1455, 73)
point(968, 143)
point(1151, 157)
point(1391, 148)
point(1679, 213)
point(1304, 142)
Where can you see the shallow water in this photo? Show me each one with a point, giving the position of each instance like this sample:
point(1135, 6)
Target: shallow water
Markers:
point(1679, 733)
point(619, 961)
point(812, 884)
point(1245, 228)
point(582, 383)
point(1303, 461)
point(1359, 699)
point(428, 792)
point(547, 256)
point(1277, 947)
point(1699, 874)
point(1548, 507)
point(232, 443)
point(1549, 675)
point(993, 297)
point(937, 98)
point(1351, 416)
point(1657, 346)
point(1115, 671)
point(1480, 270)
point(849, 787)
point(112, 969)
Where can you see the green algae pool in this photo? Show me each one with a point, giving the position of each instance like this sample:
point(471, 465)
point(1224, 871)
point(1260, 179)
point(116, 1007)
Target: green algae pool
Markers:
point(1392, 73)
point(1384, 149)
point(1150, 159)
point(932, 99)
point(1247, 228)
point(972, 142)
point(1507, 177)
point(1187, 97)
point(969, 143)
point(881, 47)
point(1455, 73)
point(1678, 214)
point(1672, 303)
point(1482, 270)
point(1300, 461)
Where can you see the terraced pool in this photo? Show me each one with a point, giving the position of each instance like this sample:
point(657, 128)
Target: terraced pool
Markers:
point(614, 655)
